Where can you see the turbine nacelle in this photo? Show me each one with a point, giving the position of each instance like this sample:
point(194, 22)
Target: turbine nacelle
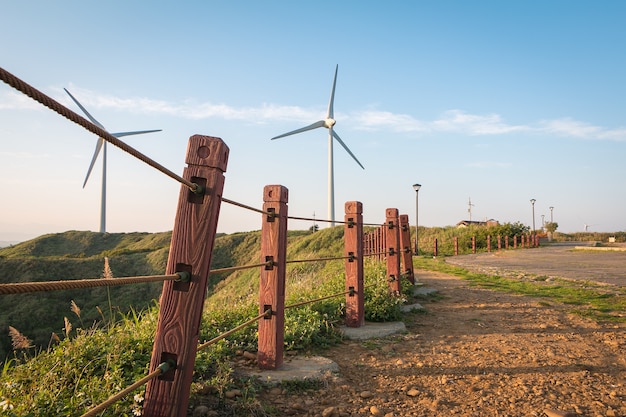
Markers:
point(330, 122)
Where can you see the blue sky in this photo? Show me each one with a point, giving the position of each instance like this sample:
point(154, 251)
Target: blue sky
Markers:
point(495, 101)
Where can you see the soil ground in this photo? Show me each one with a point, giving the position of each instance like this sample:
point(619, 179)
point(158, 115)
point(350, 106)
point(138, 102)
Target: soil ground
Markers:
point(476, 352)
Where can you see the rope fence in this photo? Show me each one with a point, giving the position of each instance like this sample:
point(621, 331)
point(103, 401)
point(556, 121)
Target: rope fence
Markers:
point(161, 369)
point(192, 244)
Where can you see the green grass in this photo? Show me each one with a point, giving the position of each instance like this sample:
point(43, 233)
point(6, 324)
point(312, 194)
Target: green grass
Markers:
point(91, 363)
point(595, 301)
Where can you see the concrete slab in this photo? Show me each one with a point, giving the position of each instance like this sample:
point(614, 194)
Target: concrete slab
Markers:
point(296, 369)
point(417, 291)
point(411, 307)
point(372, 330)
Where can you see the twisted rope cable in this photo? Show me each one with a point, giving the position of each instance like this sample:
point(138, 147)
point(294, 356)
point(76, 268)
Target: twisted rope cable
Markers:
point(241, 326)
point(161, 369)
point(330, 221)
point(234, 203)
point(29, 287)
point(238, 268)
point(54, 105)
point(377, 253)
point(333, 258)
point(317, 299)
point(324, 298)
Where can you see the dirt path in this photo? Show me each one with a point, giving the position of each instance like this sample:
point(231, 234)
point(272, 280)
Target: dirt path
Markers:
point(474, 352)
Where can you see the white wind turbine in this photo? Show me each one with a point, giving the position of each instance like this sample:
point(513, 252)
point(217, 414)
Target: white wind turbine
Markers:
point(328, 123)
point(102, 144)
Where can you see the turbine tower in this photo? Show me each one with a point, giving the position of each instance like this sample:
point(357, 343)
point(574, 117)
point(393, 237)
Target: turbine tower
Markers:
point(328, 123)
point(102, 144)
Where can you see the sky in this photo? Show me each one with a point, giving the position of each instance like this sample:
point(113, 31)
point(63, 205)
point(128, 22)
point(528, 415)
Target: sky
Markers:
point(497, 102)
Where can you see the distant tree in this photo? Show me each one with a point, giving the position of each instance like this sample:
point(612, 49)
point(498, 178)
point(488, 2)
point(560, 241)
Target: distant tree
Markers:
point(551, 227)
point(314, 228)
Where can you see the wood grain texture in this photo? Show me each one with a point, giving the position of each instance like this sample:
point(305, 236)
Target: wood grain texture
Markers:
point(405, 245)
point(181, 304)
point(272, 280)
point(353, 246)
point(393, 256)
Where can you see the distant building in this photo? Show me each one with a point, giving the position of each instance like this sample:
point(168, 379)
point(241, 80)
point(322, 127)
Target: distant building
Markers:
point(466, 223)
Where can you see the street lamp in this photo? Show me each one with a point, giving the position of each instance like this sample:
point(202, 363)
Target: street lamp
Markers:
point(532, 201)
point(551, 218)
point(416, 187)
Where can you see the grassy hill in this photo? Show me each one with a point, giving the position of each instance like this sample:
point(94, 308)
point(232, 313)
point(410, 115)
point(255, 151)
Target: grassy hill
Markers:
point(76, 255)
point(93, 361)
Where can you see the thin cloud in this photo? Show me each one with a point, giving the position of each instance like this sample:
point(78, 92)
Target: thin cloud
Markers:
point(452, 121)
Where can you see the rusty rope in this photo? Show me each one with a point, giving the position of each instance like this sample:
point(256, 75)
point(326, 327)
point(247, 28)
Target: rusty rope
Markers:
point(161, 369)
point(241, 326)
point(334, 258)
point(29, 287)
point(237, 268)
point(331, 221)
point(375, 254)
point(317, 299)
point(325, 297)
point(54, 105)
point(234, 203)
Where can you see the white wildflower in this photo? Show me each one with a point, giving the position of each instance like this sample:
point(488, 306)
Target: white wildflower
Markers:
point(6, 405)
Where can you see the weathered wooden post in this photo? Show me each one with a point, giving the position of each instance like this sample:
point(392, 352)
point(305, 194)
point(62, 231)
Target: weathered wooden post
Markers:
point(405, 244)
point(393, 257)
point(353, 250)
point(523, 241)
point(272, 280)
point(456, 246)
point(181, 303)
point(515, 242)
point(473, 244)
point(435, 247)
point(488, 243)
point(499, 242)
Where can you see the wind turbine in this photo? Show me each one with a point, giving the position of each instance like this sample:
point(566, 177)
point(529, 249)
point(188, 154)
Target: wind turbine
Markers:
point(587, 226)
point(328, 123)
point(102, 144)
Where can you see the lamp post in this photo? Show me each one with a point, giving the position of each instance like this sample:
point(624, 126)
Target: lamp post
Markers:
point(416, 187)
point(532, 201)
point(551, 218)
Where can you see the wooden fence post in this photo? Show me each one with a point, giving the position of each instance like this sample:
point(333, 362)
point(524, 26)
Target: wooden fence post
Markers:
point(515, 242)
point(353, 249)
point(499, 242)
point(488, 243)
point(405, 244)
point(393, 257)
point(272, 281)
point(456, 245)
point(181, 303)
point(435, 247)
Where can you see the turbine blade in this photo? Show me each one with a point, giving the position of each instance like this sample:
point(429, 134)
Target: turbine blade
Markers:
point(89, 116)
point(336, 136)
point(136, 132)
point(315, 125)
point(331, 111)
point(93, 159)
